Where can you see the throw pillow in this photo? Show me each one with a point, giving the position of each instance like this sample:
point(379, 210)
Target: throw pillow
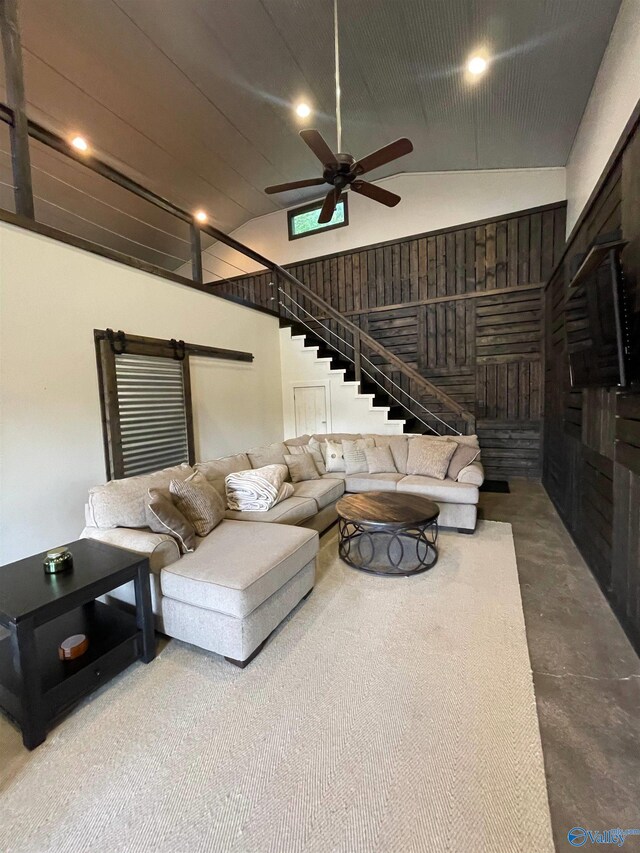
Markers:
point(163, 516)
point(380, 460)
point(463, 455)
point(301, 467)
point(271, 454)
point(399, 447)
point(334, 457)
point(259, 489)
point(199, 502)
point(315, 455)
point(319, 447)
point(355, 461)
point(429, 457)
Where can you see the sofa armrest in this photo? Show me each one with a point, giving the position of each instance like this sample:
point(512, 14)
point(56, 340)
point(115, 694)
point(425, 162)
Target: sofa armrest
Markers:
point(473, 474)
point(161, 549)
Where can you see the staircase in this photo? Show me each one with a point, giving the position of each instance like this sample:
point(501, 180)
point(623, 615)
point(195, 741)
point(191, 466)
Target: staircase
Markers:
point(393, 382)
point(384, 401)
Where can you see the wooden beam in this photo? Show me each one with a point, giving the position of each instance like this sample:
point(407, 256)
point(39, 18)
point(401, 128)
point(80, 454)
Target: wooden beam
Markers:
point(196, 254)
point(19, 131)
point(160, 346)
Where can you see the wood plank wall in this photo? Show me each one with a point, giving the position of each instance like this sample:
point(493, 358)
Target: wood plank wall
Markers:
point(592, 437)
point(464, 307)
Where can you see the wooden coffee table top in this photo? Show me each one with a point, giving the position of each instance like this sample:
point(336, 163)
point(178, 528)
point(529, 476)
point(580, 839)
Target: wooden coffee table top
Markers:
point(393, 509)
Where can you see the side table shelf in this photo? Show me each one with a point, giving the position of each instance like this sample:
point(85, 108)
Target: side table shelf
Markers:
point(115, 642)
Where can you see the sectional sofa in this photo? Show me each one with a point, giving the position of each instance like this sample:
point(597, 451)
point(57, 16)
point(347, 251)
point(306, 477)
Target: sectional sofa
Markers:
point(249, 573)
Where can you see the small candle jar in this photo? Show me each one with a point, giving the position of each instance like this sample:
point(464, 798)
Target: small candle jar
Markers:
point(58, 560)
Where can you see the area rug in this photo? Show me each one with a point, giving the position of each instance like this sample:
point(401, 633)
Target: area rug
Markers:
point(387, 714)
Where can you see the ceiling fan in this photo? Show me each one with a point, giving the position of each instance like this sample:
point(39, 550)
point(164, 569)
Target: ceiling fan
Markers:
point(342, 170)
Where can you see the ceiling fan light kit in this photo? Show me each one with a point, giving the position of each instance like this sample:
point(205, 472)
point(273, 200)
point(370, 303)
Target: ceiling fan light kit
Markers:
point(341, 170)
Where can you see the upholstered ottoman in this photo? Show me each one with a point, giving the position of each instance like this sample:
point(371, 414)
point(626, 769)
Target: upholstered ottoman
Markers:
point(231, 593)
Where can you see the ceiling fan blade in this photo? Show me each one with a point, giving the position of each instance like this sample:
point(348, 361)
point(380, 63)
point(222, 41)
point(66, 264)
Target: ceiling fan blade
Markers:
point(376, 193)
point(383, 155)
point(329, 205)
point(294, 185)
point(316, 143)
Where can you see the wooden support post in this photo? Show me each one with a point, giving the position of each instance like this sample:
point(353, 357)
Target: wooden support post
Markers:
point(357, 356)
point(19, 131)
point(196, 254)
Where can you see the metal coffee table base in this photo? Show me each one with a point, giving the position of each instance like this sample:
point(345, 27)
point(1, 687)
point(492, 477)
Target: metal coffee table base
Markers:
point(376, 549)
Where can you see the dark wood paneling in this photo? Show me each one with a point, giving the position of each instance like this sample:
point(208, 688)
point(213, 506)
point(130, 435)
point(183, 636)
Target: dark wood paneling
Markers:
point(463, 306)
point(591, 464)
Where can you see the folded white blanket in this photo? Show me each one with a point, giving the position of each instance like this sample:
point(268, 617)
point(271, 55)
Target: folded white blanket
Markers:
point(257, 490)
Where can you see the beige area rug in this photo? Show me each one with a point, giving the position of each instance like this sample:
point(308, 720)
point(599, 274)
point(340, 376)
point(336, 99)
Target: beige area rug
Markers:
point(387, 714)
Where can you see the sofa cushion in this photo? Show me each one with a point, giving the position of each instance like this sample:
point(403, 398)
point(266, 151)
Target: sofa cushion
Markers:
point(442, 491)
point(217, 469)
point(199, 502)
point(270, 454)
point(336, 436)
point(473, 474)
point(316, 455)
point(355, 460)
point(399, 446)
point(323, 492)
point(464, 455)
point(302, 466)
point(372, 482)
point(293, 510)
point(380, 460)
point(430, 457)
point(335, 475)
point(299, 441)
point(239, 565)
point(122, 503)
point(163, 516)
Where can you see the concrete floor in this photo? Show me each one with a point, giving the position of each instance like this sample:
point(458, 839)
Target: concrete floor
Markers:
point(586, 673)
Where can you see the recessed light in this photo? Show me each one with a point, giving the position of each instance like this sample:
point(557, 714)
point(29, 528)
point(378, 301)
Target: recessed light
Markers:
point(80, 143)
point(477, 65)
point(303, 110)
point(201, 216)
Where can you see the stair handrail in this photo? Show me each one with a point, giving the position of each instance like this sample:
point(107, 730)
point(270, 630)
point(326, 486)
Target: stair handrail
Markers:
point(354, 361)
point(427, 386)
point(373, 379)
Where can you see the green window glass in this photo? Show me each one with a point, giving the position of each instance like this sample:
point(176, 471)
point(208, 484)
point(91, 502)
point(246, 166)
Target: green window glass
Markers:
point(304, 220)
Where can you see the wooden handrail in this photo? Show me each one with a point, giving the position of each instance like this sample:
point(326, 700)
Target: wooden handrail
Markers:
point(408, 371)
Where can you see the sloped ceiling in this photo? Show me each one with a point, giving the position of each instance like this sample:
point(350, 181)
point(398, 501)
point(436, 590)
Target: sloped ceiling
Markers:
point(193, 97)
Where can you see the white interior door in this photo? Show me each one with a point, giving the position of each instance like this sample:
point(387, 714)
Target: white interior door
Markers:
point(310, 405)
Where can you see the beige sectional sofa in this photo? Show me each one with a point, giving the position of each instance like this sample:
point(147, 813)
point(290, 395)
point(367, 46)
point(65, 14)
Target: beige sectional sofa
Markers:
point(250, 572)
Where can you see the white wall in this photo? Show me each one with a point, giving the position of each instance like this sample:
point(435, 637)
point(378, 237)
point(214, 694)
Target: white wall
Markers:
point(52, 298)
point(430, 200)
point(347, 410)
point(615, 93)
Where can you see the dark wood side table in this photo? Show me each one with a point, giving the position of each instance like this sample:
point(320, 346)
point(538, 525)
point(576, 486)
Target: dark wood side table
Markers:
point(41, 610)
point(388, 533)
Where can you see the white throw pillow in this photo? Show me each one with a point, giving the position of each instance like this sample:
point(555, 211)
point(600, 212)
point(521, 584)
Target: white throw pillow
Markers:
point(334, 457)
point(355, 460)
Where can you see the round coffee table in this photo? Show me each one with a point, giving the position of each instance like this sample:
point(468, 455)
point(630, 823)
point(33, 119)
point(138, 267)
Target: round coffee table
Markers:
point(388, 533)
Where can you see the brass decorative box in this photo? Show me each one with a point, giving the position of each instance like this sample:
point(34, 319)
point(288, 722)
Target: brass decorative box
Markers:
point(58, 560)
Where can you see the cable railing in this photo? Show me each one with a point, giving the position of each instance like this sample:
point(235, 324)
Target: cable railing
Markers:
point(316, 328)
point(253, 290)
point(357, 347)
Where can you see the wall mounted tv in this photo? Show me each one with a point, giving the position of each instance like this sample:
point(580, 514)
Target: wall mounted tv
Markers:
point(598, 338)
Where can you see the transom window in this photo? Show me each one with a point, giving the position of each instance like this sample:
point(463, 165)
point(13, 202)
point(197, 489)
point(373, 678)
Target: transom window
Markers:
point(303, 221)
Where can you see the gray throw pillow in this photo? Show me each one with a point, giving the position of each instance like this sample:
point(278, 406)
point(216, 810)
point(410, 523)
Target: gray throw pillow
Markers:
point(463, 455)
point(380, 460)
point(315, 454)
point(301, 467)
point(429, 457)
point(199, 502)
point(163, 516)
